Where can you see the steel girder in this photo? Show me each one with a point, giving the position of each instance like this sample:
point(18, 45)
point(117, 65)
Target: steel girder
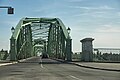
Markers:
point(56, 41)
point(49, 32)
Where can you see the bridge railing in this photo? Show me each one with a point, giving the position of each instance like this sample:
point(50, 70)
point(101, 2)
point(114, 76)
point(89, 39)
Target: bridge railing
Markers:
point(106, 54)
point(101, 55)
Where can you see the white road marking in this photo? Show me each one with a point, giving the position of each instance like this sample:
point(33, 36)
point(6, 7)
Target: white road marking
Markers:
point(75, 77)
point(8, 63)
point(41, 63)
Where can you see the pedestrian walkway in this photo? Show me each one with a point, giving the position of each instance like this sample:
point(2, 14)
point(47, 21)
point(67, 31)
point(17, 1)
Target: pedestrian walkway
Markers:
point(96, 65)
point(102, 66)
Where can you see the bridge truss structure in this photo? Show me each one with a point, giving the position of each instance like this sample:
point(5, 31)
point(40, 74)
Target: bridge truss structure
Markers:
point(40, 35)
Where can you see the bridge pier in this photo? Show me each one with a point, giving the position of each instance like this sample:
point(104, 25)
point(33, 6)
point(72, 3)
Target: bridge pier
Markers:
point(87, 49)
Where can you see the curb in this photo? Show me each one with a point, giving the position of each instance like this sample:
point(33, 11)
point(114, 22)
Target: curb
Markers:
point(86, 66)
point(8, 63)
point(96, 68)
point(22, 60)
point(14, 62)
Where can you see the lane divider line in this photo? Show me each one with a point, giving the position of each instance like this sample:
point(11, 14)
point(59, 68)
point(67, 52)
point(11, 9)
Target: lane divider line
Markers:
point(75, 77)
point(41, 63)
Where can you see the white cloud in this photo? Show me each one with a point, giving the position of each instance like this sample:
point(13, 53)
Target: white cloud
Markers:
point(75, 0)
point(98, 14)
point(107, 40)
point(38, 10)
point(105, 7)
point(118, 13)
point(41, 9)
point(107, 36)
point(108, 29)
point(10, 23)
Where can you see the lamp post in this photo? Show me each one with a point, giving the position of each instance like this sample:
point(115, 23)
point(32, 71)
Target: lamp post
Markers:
point(10, 9)
point(12, 30)
point(12, 46)
point(68, 30)
point(69, 46)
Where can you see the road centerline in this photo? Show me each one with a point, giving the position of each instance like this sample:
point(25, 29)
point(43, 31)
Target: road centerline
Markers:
point(41, 63)
point(75, 77)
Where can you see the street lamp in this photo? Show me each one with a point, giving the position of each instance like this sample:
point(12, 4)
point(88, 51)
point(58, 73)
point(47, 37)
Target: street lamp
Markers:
point(12, 30)
point(69, 46)
point(68, 30)
point(13, 56)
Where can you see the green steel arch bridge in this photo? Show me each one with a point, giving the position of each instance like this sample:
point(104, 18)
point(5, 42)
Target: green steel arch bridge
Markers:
point(40, 35)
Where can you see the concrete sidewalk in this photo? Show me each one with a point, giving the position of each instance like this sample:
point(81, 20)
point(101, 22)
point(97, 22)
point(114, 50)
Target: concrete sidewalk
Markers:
point(95, 65)
point(100, 66)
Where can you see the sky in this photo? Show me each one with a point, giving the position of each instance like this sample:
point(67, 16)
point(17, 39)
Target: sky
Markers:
point(98, 19)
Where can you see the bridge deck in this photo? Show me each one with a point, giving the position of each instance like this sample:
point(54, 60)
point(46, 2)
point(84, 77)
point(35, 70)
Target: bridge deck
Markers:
point(33, 70)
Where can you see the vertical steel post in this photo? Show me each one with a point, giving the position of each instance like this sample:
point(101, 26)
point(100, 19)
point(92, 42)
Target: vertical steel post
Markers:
point(44, 43)
point(63, 46)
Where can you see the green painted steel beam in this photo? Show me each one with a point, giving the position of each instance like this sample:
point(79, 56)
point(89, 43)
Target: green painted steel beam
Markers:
point(29, 20)
point(55, 41)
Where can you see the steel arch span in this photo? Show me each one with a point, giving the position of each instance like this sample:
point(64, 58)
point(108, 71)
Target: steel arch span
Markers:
point(40, 35)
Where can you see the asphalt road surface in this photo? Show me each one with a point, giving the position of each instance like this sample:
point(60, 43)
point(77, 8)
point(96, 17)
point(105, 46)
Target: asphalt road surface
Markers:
point(47, 69)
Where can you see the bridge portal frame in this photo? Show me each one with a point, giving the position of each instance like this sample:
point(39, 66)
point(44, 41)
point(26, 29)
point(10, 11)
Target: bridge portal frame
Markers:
point(21, 44)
